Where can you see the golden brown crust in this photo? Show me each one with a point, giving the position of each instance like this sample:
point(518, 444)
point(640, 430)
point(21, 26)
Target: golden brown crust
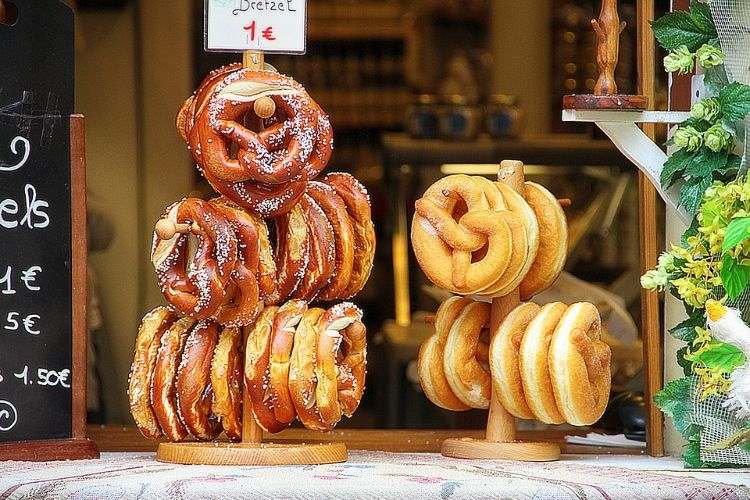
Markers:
point(163, 392)
point(579, 363)
point(153, 326)
point(352, 367)
point(292, 252)
point(282, 341)
point(504, 360)
point(553, 241)
point(193, 390)
point(226, 380)
point(322, 251)
point(467, 375)
point(302, 379)
point(430, 359)
point(257, 373)
point(534, 367)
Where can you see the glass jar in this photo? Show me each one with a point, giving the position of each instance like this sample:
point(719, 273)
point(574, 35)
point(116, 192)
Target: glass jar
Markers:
point(460, 118)
point(503, 116)
point(422, 117)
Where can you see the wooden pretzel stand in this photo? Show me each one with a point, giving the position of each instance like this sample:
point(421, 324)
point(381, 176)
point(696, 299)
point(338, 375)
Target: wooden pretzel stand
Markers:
point(500, 438)
point(252, 450)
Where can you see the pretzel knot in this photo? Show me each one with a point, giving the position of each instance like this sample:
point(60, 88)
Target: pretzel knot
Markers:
point(461, 241)
point(196, 288)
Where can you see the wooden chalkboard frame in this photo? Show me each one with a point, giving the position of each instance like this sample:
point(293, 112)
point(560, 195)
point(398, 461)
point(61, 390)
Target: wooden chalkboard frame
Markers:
point(78, 446)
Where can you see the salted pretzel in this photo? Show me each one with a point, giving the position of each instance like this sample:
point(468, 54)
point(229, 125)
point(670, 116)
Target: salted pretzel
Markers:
point(292, 252)
point(357, 202)
point(504, 360)
point(467, 374)
point(163, 394)
point(242, 302)
point(193, 382)
point(430, 359)
point(579, 365)
point(321, 263)
point(226, 381)
point(153, 326)
point(452, 223)
point(332, 329)
point(266, 274)
point(300, 143)
point(335, 210)
point(302, 379)
point(352, 367)
point(282, 341)
point(553, 245)
point(257, 372)
point(197, 288)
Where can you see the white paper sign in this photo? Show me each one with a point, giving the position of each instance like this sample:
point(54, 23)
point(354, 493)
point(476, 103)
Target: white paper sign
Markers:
point(264, 25)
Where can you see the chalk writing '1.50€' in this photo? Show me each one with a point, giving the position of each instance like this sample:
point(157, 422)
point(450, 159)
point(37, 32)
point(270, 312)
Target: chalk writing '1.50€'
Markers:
point(34, 214)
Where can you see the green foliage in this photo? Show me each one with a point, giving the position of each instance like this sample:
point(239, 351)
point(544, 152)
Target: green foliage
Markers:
point(675, 166)
point(737, 232)
point(715, 78)
point(720, 356)
point(692, 191)
point(676, 402)
point(692, 29)
point(735, 101)
point(734, 276)
point(706, 162)
point(685, 331)
point(683, 361)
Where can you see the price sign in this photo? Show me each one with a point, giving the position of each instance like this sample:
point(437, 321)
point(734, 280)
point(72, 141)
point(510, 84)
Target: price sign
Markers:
point(264, 25)
point(42, 239)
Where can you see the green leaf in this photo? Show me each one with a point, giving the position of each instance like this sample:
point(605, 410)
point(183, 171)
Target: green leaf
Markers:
point(685, 331)
point(691, 193)
point(734, 277)
point(720, 356)
point(692, 230)
point(732, 166)
point(699, 125)
point(706, 162)
point(684, 362)
point(737, 231)
point(679, 28)
point(676, 402)
point(715, 79)
point(701, 14)
point(735, 101)
point(674, 166)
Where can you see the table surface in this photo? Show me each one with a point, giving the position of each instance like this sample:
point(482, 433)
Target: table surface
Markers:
point(373, 475)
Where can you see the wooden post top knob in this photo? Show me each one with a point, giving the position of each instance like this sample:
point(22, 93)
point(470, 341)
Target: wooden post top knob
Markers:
point(165, 229)
point(264, 107)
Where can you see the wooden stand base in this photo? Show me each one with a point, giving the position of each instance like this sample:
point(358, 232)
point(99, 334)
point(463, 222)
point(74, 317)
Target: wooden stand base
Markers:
point(483, 449)
point(617, 101)
point(48, 450)
point(251, 453)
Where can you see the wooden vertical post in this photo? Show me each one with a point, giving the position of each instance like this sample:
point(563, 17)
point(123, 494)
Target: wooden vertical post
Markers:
point(650, 323)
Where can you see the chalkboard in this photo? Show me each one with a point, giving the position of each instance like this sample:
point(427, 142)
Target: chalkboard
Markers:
point(40, 372)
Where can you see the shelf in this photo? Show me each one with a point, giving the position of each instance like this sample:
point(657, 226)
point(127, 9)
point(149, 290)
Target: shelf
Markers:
point(617, 116)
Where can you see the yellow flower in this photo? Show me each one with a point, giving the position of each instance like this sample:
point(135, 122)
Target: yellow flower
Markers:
point(703, 336)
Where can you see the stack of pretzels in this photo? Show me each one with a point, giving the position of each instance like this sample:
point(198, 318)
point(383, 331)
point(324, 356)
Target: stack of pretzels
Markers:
point(472, 236)
point(548, 363)
point(187, 376)
point(240, 272)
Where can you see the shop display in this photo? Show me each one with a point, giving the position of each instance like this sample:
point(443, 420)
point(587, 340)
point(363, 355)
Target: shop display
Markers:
point(505, 241)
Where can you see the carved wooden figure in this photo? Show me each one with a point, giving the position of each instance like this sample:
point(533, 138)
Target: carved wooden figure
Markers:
point(608, 29)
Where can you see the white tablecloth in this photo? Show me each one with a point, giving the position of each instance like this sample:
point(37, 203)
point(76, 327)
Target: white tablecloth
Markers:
point(373, 475)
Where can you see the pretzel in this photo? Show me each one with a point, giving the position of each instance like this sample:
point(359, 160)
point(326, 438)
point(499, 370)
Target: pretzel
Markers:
point(226, 380)
point(352, 367)
point(302, 380)
point(465, 371)
point(332, 327)
point(193, 382)
point(504, 360)
point(430, 359)
point(162, 382)
point(266, 263)
point(579, 365)
point(446, 241)
point(534, 363)
point(335, 210)
point(153, 326)
point(257, 376)
point(292, 252)
point(553, 241)
point(282, 340)
point(322, 251)
point(242, 302)
point(357, 202)
point(200, 291)
point(302, 142)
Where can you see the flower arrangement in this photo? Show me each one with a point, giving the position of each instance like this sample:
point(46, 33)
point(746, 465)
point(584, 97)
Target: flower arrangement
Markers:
point(711, 264)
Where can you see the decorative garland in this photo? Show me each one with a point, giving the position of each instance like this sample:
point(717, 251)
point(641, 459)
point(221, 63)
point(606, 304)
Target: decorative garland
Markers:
point(711, 265)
